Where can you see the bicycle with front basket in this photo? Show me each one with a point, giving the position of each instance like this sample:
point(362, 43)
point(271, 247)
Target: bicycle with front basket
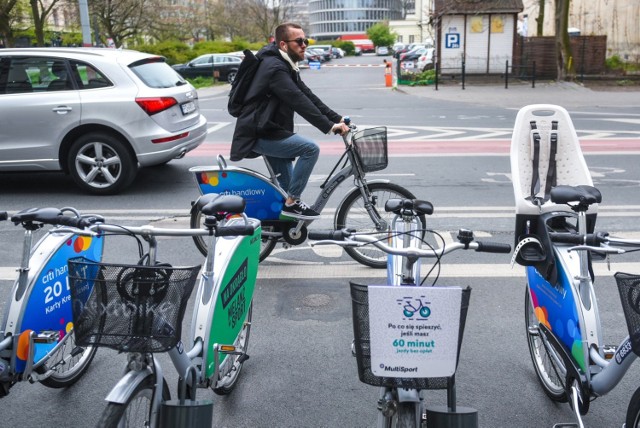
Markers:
point(37, 336)
point(138, 310)
point(407, 352)
point(362, 208)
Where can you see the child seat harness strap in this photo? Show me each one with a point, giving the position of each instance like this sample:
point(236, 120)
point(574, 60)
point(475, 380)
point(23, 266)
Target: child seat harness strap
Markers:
point(551, 177)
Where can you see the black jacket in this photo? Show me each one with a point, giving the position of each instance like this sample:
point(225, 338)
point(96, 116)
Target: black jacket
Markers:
point(275, 94)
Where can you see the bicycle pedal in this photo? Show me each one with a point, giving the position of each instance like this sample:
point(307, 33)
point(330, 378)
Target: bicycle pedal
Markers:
point(609, 351)
point(47, 336)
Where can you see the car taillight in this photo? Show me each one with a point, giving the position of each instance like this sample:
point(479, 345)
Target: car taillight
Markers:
point(156, 104)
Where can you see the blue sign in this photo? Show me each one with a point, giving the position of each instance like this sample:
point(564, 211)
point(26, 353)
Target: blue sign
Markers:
point(452, 40)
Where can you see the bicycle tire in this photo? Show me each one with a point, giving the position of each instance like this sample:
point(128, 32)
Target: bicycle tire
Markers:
point(353, 215)
point(226, 384)
point(543, 363)
point(633, 411)
point(136, 411)
point(65, 375)
point(406, 416)
point(266, 245)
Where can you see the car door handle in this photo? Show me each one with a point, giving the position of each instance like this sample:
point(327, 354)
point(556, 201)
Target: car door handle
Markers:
point(62, 109)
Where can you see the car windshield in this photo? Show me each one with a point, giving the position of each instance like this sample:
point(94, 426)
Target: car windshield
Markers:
point(155, 73)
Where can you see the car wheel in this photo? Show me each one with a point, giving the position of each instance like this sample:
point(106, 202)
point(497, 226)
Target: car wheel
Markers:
point(101, 164)
point(231, 76)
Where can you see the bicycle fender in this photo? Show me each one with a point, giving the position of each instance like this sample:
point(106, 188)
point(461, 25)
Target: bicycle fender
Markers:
point(356, 189)
point(408, 395)
point(126, 385)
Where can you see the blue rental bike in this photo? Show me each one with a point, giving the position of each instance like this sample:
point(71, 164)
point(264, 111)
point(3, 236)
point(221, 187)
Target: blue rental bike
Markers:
point(37, 335)
point(362, 208)
point(557, 243)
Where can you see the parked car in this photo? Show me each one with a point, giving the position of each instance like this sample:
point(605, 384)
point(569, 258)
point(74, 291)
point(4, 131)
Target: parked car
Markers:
point(382, 51)
point(338, 53)
point(327, 50)
point(413, 55)
point(205, 65)
point(96, 114)
point(310, 57)
point(425, 61)
point(318, 53)
point(398, 53)
point(357, 51)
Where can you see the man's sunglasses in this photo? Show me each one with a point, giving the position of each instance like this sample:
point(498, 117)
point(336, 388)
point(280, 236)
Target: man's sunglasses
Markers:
point(300, 41)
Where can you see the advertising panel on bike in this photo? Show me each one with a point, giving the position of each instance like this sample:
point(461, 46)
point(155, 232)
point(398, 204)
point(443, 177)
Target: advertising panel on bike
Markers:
point(414, 330)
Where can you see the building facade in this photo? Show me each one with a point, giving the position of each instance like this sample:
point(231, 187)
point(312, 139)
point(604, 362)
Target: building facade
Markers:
point(330, 19)
point(619, 20)
point(416, 26)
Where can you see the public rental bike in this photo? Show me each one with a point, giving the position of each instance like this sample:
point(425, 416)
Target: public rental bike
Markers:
point(138, 309)
point(37, 340)
point(360, 209)
point(408, 331)
point(557, 242)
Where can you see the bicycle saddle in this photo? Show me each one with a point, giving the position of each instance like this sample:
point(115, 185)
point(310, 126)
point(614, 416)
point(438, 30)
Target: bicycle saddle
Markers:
point(213, 203)
point(397, 205)
point(584, 195)
point(36, 214)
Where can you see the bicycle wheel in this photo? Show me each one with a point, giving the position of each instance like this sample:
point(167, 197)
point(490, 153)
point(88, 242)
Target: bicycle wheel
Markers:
point(136, 411)
point(226, 383)
point(407, 416)
point(633, 411)
point(546, 369)
point(197, 219)
point(68, 363)
point(352, 214)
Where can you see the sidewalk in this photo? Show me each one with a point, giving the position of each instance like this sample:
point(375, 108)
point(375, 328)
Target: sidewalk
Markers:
point(565, 94)
point(517, 95)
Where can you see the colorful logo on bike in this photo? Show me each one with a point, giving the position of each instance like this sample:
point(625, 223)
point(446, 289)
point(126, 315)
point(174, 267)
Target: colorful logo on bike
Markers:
point(554, 307)
point(264, 200)
point(49, 306)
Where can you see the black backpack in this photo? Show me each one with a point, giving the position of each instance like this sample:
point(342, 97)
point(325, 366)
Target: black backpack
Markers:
point(242, 82)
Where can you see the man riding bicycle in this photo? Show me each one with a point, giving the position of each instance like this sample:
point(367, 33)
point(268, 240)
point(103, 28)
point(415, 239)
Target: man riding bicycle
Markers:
point(265, 125)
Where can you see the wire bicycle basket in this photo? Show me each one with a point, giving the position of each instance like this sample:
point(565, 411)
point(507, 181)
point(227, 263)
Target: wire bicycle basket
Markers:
point(129, 308)
point(629, 288)
point(362, 343)
point(371, 148)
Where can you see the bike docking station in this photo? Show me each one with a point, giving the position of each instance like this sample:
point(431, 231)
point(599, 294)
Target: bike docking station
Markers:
point(407, 339)
point(186, 413)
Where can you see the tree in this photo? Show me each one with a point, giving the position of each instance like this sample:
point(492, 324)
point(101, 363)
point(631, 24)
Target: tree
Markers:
point(380, 34)
point(563, 45)
point(6, 20)
point(268, 14)
point(540, 18)
point(40, 11)
point(125, 19)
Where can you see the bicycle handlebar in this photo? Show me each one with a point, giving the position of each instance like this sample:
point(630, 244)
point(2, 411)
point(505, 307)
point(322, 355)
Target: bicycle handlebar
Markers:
point(36, 217)
point(599, 242)
point(346, 238)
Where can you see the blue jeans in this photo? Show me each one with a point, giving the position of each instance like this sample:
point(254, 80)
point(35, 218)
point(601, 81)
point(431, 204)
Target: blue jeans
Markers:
point(281, 153)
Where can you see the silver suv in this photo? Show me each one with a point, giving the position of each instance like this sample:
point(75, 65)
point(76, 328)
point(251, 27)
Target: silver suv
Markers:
point(96, 114)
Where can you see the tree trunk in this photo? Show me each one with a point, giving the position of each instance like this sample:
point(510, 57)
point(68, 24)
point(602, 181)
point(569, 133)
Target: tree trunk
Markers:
point(6, 30)
point(37, 22)
point(540, 19)
point(563, 45)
